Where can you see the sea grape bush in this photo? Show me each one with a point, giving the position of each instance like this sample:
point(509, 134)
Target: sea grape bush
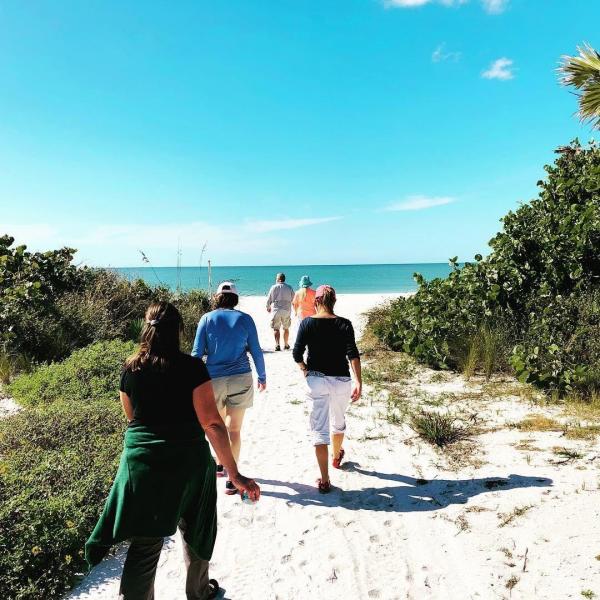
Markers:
point(539, 285)
point(49, 307)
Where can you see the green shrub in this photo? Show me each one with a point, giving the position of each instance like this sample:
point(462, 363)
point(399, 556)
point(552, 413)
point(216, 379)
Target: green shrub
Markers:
point(49, 307)
point(536, 292)
point(88, 375)
point(57, 466)
point(438, 429)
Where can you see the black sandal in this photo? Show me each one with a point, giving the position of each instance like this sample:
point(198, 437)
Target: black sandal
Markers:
point(213, 588)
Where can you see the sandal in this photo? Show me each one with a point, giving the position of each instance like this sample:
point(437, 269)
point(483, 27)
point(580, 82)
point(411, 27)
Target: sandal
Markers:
point(213, 589)
point(323, 486)
point(230, 489)
point(337, 462)
point(278, 348)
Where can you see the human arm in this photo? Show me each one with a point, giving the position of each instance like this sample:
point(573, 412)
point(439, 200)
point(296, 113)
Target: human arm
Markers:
point(354, 357)
point(357, 372)
point(257, 354)
point(127, 406)
point(295, 303)
point(269, 300)
point(300, 347)
point(216, 432)
point(199, 348)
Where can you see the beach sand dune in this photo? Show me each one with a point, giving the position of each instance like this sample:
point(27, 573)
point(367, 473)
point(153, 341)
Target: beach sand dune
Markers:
point(398, 525)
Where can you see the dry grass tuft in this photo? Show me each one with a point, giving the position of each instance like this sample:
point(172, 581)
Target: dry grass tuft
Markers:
point(508, 518)
point(538, 422)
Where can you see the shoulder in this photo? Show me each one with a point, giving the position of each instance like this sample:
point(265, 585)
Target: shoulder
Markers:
point(191, 362)
point(343, 322)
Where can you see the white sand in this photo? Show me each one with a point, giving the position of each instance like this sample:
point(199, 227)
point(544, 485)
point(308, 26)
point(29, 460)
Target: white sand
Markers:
point(380, 534)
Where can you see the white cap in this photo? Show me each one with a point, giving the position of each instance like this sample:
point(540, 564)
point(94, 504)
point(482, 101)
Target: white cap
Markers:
point(227, 287)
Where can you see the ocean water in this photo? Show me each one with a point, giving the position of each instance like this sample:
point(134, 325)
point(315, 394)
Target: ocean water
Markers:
point(254, 281)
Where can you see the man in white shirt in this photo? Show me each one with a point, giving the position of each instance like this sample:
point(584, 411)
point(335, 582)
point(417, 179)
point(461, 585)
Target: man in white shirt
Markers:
point(279, 304)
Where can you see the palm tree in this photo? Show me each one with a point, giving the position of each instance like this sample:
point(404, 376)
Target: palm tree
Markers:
point(583, 73)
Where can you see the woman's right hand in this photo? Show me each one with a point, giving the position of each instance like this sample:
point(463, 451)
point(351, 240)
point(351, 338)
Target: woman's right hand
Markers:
point(245, 484)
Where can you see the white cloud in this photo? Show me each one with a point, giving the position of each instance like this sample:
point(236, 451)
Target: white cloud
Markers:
point(120, 244)
point(441, 55)
point(420, 203)
point(500, 69)
point(495, 7)
point(282, 224)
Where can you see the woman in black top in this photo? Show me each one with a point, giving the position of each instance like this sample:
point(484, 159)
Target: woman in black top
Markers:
point(166, 478)
point(331, 345)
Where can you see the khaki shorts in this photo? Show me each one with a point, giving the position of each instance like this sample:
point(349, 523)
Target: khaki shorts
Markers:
point(281, 319)
point(234, 391)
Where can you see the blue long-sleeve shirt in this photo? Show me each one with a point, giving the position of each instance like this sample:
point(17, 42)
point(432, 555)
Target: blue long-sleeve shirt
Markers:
point(225, 337)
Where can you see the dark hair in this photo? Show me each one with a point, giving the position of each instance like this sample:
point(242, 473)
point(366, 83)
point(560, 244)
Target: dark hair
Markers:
point(327, 300)
point(281, 277)
point(225, 301)
point(159, 340)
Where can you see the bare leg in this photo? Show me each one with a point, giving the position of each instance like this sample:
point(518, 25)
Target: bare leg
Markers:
point(286, 336)
point(277, 334)
point(233, 421)
point(337, 439)
point(322, 452)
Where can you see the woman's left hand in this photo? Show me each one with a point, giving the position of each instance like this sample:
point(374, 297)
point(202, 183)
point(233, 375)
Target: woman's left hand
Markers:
point(356, 392)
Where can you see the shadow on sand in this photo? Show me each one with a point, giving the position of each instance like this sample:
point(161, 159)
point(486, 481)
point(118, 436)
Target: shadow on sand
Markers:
point(413, 496)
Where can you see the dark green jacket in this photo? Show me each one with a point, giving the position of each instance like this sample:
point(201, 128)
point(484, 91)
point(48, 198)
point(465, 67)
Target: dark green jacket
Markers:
point(159, 482)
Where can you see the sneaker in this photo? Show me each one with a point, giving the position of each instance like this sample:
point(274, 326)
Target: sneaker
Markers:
point(230, 489)
point(337, 462)
point(221, 472)
point(324, 487)
point(277, 348)
point(286, 347)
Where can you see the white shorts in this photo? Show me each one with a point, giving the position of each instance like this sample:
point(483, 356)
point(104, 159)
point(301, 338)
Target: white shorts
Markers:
point(330, 397)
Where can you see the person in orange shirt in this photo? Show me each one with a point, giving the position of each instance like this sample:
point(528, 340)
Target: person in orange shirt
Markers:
point(304, 299)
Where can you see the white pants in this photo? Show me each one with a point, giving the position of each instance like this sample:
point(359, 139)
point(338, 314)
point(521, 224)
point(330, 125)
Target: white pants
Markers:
point(330, 397)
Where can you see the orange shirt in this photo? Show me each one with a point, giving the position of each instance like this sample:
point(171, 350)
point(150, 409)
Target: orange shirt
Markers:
point(304, 307)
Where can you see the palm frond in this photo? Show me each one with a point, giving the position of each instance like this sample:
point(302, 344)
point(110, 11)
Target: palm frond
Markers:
point(583, 73)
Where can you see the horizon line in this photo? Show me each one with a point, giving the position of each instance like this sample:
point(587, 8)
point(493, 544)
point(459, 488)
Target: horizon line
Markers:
point(279, 265)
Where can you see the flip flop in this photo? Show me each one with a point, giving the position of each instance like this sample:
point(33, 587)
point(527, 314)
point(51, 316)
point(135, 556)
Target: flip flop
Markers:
point(324, 487)
point(213, 588)
point(337, 462)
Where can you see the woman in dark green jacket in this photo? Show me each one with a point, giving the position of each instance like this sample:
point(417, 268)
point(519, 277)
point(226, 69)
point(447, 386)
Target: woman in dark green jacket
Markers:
point(166, 477)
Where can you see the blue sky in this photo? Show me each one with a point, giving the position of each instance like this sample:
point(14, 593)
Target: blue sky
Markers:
point(322, 131)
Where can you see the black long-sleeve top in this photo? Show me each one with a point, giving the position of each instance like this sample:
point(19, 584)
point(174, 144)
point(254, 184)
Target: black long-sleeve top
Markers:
point(330, 343)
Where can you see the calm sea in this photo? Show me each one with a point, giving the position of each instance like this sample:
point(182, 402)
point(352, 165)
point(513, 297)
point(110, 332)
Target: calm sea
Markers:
point(252, 281)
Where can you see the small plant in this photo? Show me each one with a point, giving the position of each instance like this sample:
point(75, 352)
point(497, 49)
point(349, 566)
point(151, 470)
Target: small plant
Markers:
point(134, 330)
point(511, 583)
point(438, 429)
point(508, 518)
point(588, 594)
point(567, 455)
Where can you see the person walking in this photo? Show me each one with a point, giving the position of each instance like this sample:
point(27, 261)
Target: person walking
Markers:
point(224, 336)
point(166, 477)
point(331, 346)
point(279, 304)
point(304, 299)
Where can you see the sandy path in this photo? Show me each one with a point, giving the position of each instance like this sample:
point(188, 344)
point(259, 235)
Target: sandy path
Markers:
point(383, 533)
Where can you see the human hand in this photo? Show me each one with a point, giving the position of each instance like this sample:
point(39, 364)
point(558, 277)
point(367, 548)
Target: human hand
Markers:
point(261, 387)
point(245, 484)
point(356, 392)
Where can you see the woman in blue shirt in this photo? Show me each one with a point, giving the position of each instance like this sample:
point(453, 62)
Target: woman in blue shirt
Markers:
point(225, 336)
